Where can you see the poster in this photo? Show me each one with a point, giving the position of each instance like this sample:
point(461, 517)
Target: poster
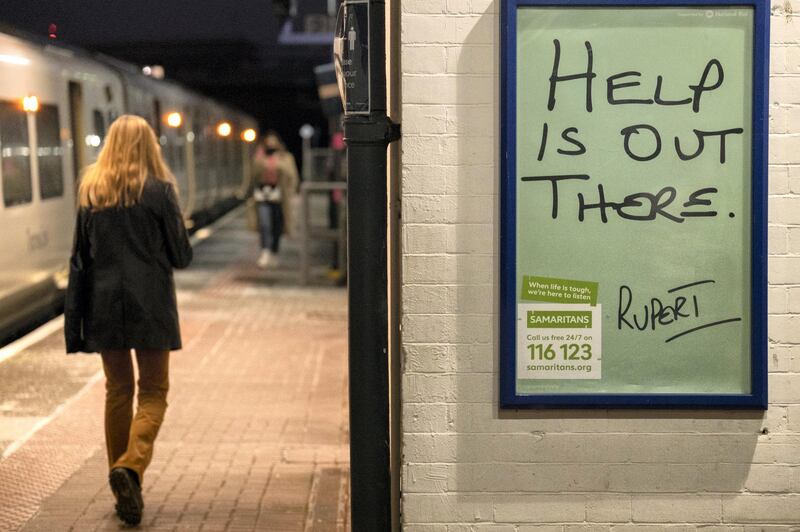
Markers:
point(633, 205)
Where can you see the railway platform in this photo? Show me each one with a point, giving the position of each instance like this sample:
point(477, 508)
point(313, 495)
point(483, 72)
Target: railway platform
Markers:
point(256, 432)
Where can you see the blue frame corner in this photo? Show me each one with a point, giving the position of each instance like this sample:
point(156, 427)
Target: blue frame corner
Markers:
point(757, 399)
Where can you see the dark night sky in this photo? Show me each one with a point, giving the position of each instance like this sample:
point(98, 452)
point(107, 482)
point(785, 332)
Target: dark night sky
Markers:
point(227, 49)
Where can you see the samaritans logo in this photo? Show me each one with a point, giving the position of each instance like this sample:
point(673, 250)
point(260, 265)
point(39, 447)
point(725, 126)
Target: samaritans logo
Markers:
point(574, 319)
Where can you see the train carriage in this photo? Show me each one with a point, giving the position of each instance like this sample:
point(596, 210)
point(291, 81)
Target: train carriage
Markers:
point(56, 104)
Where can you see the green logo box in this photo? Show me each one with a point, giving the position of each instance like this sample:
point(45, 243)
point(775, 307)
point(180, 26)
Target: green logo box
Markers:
point(553, 290)
point(559, 319)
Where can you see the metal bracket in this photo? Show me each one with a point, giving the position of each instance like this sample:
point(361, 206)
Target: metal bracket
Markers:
point(364, 130)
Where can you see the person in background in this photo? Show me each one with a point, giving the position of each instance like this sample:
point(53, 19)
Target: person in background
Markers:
point(337, 172)
point(129, 235)
point(275, 180)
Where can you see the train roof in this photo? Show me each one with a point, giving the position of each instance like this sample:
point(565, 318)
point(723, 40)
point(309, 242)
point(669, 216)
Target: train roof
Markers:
point(123, 67)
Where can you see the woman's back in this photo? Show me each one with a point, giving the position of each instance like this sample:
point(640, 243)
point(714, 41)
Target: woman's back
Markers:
point(129, 235)
point(131, 238)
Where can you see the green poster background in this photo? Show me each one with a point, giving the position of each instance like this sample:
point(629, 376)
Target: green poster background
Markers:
point(650, 257)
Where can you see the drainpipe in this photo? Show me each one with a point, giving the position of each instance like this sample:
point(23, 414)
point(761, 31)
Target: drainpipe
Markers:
point(367, 136)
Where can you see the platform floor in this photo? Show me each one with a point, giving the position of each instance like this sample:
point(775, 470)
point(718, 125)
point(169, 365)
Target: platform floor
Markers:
point(255, 436)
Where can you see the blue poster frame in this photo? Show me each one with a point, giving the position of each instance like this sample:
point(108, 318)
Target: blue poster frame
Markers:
point(757, 398)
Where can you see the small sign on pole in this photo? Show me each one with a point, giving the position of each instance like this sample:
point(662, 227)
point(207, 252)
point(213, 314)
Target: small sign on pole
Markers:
point(351, 54)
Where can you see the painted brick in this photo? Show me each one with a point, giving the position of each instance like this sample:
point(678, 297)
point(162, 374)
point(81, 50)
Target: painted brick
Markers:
point(794, 178)
point(443, 299)
point(448, 89)
point(427, 120)
point(789, 357)
point(783, 389)
point(783, 30)
point(762, 508)
point(425, 418)
point(423, 60)
point(778, 179)
point(481, 528)
point(469, 466)
point(770, 528)
point(448, 150)
point(478, 59)
point(784, 148)
point(786, 209)
point(448, 328)
point(422, 239)
point(778, 239)
point(653, 528)
point(427, 179)
point(794, 240)
point(423, 6)
point(471, 30)
point(778, 59)
point(783, 270)
point(472, 120)
point(472, 180)
point(447, 268)
point(605, 508)
point(446, 508)
point(448, 209)
point(448, 238)
point(793, 305)
point(461, 7)
point(677, 508)
point(778, 119)
point(779, 300)
point(535, 508)
point(769, 478)
point(425, 28)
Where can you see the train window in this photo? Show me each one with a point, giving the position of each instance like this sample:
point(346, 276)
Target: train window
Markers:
point(99, 124)
point(49, 152)
point(15, 155)
point(179, 157)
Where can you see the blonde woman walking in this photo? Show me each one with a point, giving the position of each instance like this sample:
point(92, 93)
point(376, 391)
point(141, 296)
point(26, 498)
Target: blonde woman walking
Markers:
point(129, 235)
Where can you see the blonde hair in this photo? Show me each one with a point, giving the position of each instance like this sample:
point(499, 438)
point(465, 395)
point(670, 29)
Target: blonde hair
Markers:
point(130, 154)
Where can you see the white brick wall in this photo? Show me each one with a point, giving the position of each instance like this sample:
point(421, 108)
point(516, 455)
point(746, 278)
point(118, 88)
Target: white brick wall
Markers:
point(469, 468)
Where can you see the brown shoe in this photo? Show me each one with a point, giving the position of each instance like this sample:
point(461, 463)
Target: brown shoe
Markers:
point(126, 489)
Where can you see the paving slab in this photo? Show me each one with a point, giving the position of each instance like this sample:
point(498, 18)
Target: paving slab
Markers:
point(255, 436)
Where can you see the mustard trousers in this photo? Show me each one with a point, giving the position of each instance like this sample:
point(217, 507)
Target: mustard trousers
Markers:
point(129, 438)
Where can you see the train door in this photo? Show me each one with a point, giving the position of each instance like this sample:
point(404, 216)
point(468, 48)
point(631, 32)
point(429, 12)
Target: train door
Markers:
point(76, 129)
point(157, 117)
point(191, 174)
point(175, 147)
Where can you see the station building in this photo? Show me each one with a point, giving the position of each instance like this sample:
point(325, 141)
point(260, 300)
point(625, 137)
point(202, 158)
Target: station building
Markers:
point(470, 465)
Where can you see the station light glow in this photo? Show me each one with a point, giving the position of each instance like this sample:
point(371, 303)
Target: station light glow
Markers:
point(224, 129)
point(93, 141)
point(174, 119)
point(153, 71)
point(249, 135)
point(30, 104)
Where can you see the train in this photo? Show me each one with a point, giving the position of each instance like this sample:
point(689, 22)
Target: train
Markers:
point(56, 104)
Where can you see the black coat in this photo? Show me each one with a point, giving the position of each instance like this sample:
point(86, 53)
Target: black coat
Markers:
point(121, 294)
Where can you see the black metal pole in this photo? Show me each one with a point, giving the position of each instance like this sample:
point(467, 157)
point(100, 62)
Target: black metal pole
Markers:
point(367, 138)
point(368, 336)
